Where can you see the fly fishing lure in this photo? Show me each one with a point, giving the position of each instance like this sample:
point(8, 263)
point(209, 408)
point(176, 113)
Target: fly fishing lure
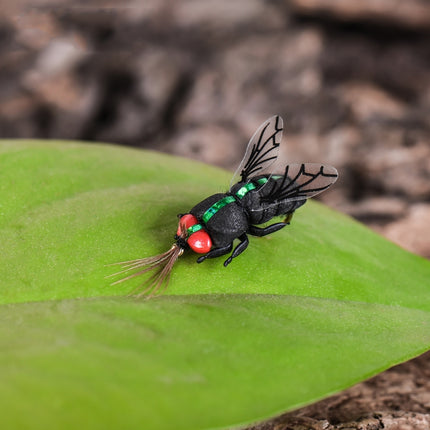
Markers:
point(254, 197)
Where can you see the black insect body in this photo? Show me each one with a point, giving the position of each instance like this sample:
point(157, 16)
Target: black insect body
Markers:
point(254, 197)
point(241, 217)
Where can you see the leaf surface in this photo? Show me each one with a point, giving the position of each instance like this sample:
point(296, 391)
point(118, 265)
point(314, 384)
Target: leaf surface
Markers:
point(303, 313)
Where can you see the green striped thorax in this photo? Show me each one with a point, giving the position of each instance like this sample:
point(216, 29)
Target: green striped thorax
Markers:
point(240, 193)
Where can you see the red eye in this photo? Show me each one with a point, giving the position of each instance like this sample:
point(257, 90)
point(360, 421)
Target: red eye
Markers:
point(186, 221)
point(200, 242)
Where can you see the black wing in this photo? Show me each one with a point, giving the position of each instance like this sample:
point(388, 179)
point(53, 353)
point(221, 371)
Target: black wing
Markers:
point(262, 150)
point(301, 181)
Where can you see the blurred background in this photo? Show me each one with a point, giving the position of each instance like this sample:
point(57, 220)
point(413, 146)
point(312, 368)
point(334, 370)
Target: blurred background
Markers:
point(196, 78)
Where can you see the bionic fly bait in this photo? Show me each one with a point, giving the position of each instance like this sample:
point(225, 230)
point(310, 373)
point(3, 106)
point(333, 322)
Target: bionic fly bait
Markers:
point(254, 197)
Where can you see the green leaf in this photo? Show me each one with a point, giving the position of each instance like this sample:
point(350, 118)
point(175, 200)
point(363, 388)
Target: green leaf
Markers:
point(303, 313)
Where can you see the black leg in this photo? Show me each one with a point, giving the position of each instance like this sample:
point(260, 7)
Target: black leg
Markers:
point(258, 231)
point(288, 218)
point(244, 241)
point(216, 252)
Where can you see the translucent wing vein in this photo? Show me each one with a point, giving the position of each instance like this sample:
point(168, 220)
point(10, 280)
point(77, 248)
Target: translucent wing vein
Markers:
point(302, 181)
point(262, 150)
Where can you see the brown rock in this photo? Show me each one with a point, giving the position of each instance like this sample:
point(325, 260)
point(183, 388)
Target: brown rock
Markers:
point(398, 169)
point(410, 13)
point(368, 102)
point(35, 29)
point(413, 231)
point(224, 15)
point(377, 210)
point(215, 143)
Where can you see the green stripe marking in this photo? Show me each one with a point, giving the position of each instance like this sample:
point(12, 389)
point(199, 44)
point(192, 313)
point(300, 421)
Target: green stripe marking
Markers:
point(230, 199)
point(194, 228)
point(216, 207)
point(245, 189)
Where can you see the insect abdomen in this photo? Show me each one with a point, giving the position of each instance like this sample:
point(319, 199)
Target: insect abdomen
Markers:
point(260, 210)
